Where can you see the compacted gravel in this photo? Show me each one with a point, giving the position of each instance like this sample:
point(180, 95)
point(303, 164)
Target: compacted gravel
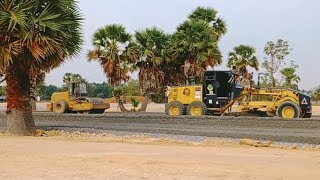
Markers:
point(271, 129)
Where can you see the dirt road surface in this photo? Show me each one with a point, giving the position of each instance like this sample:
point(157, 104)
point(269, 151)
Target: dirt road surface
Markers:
point(152, 107)
point(270, 129)
point(62, 158)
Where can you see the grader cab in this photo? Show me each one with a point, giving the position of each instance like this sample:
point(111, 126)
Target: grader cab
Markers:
point(76, 100)
point(221, 90)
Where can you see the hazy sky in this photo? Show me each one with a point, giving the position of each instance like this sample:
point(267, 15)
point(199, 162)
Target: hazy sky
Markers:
point(252, 22)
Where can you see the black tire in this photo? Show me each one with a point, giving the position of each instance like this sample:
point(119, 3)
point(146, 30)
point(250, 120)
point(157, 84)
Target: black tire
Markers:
point(60, 107)
point(197, 104)
point(178, 106)
point(291, 105)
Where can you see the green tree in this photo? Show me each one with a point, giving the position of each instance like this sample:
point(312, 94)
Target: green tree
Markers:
point(41, 89)
point(132, 88)
point(152, 43)
point(102, 90)
point(35, 35)
point(316, 94)
point(290, 75)
point(276, 53)
point(70, 77)
point(3, 90)
point(195, 44)
point(114, 50)
point(243, 56)
point(48, 91)
point(210, 15)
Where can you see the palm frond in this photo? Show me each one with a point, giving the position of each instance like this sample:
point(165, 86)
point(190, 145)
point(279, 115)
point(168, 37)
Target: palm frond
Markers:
point(243, 56)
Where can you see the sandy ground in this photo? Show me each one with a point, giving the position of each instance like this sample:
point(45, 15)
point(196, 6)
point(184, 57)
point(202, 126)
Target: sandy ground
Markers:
point(111, 158)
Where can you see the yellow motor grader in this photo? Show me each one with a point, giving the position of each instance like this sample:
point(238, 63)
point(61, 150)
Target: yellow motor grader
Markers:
point(221, 90)
point(75, 100)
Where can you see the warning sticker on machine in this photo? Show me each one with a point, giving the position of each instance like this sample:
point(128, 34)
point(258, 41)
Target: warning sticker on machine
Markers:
point(304, 101)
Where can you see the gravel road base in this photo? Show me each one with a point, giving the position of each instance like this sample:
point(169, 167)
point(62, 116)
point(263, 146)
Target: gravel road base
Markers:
point(184, 127)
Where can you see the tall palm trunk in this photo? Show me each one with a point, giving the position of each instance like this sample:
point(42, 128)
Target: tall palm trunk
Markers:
point(120, 104)
point(144, 104)
point(19, 112)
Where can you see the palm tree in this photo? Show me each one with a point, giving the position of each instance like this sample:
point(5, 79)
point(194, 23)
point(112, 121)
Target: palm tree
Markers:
point(70, 77)
point(243, 56)
point(35, 35)
point(194, 46)
point(112, 43)
point(114, 49)
point(210, 15)
point(173, 73)
point(152, 43)
point(290, 75)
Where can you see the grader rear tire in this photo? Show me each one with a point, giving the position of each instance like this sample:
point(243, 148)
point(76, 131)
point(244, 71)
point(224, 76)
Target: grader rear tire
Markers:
point(197, 108)
point(60, 107)
point(289, 110)
point(175, 108)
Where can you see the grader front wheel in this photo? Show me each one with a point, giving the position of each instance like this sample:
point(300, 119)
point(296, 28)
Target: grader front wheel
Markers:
point(289, 110)
point(175, 108)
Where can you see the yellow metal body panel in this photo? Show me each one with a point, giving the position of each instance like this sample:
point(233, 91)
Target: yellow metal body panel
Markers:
point(267, 99)
point(57, 96)
point(186, 94)
point(80, 105)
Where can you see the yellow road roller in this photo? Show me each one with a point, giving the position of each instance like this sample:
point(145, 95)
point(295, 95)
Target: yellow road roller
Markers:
point(76, 100)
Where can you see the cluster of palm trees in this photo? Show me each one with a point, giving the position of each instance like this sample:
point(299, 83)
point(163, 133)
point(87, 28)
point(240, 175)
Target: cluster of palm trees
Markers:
point(160, 58)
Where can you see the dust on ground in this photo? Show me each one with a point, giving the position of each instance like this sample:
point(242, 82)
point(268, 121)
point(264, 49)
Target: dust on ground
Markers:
point(61, 155)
